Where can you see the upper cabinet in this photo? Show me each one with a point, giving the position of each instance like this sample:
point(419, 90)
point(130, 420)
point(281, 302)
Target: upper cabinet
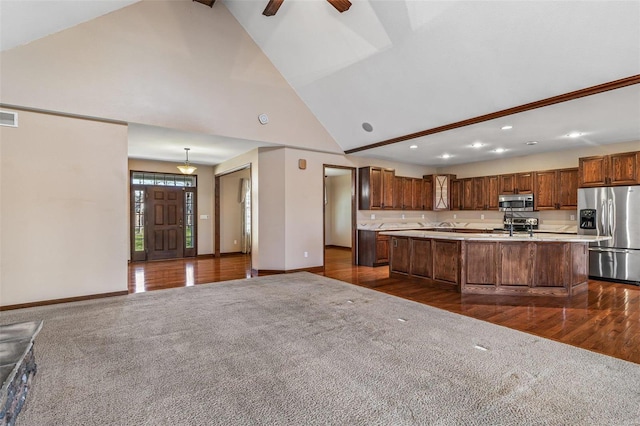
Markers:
point(380, 188)
point(516, 183)
point(556, 189)
point(609, 170)
point(375, 188)
point(491, 192)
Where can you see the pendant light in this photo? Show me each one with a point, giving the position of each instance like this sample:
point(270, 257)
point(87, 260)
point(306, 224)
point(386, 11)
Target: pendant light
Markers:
point(186, 168)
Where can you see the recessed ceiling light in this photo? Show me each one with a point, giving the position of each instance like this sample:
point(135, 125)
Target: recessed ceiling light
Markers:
point(574, 135)
point(531, 143)
point(477, 145)
point(499, 150)
point(445, 156)
point(507, 127)
point(413, 147)
point(367, 127)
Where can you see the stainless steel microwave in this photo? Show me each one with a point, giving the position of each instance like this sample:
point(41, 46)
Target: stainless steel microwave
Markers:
point(515, 202)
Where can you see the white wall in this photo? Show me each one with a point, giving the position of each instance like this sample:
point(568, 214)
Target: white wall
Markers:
point(204, 175)
point(64, 208)
point(338, 210)
point(168, 63)
point(231, 211)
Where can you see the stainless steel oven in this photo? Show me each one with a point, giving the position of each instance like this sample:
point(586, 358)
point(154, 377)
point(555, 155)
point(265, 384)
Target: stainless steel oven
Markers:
point(515, 203)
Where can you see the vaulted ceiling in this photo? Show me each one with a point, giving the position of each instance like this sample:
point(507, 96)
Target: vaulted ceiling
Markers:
point(388, 68)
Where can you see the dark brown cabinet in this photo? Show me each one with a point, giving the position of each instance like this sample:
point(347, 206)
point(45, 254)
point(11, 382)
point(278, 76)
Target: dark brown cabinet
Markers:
point(456, 194)
point(556, 189)
point(373, 248)
point(375, 188)
point(380, 188)
point(400, 257)
point(491, 192)
point(516, 183)
point(467, 194)
point(609, 170)
point(421, 259)
point(478, 193)
point(397, 192)
point(427, 192)
point(568, 189)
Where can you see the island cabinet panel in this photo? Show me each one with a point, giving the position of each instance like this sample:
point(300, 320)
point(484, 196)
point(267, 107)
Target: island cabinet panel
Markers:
point(446, 259)
point(579, 265)
point(421, 259)
point(481, 263)
point(551, 268)
point(400, 260)
point(373, 248)
point(517, 266)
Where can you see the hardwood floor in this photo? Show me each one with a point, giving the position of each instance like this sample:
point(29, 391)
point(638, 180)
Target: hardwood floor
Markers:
point(604, 320)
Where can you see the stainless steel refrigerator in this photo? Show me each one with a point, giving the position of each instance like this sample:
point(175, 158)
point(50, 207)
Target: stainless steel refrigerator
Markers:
point(612, 211)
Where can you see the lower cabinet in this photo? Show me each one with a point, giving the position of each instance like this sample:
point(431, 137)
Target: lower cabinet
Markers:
point(373, 248)
point(493, 267)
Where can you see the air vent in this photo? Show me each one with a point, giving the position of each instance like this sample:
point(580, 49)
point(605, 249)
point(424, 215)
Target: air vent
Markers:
point(9, 119)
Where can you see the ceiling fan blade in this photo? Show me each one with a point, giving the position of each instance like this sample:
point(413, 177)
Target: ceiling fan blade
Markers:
point(272, 7)
point(340, 5)
point(207, 2)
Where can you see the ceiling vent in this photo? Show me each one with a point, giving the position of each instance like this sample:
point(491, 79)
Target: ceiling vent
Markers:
point(9, 119)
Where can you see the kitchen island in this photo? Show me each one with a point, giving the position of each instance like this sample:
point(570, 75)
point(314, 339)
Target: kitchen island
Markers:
point(487, 263)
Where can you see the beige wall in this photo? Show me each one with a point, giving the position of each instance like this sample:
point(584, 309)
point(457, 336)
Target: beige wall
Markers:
point(546, 161)
point(168, 63)
point(205, 196)
point(64, 208)
point(231, 211)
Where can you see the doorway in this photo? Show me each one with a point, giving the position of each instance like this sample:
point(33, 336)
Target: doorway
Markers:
point(339, 210)
point(163, 208)
point(233, 213)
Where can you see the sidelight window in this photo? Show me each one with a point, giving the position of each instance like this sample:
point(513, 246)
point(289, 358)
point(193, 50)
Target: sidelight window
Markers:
point(138, 220)
point(189, 222)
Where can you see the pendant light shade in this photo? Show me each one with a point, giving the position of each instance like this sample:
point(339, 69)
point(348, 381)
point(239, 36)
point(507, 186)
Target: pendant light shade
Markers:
point(186, 168)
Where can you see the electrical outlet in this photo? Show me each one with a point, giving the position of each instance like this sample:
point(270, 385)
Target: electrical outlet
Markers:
point(573, 217)
point(403, 216)
point(373, 216)
point(306, 254)
point(235, 241)
point(455, 216)
point(423, 216)
point(481, 217)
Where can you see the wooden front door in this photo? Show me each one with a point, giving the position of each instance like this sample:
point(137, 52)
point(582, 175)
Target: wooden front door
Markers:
point(166, 212)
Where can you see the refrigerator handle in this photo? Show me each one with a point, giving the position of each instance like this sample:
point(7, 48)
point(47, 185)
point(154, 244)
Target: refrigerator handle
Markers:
point(602, 230)
point(612, 218)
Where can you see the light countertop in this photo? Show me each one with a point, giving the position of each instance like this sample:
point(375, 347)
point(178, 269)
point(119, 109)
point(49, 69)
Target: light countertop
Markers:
point(543, 237)
point(480, 226)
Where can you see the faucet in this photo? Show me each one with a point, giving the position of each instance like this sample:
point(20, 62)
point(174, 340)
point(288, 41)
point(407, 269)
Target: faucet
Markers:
point(511, 223)
point(531, 229)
